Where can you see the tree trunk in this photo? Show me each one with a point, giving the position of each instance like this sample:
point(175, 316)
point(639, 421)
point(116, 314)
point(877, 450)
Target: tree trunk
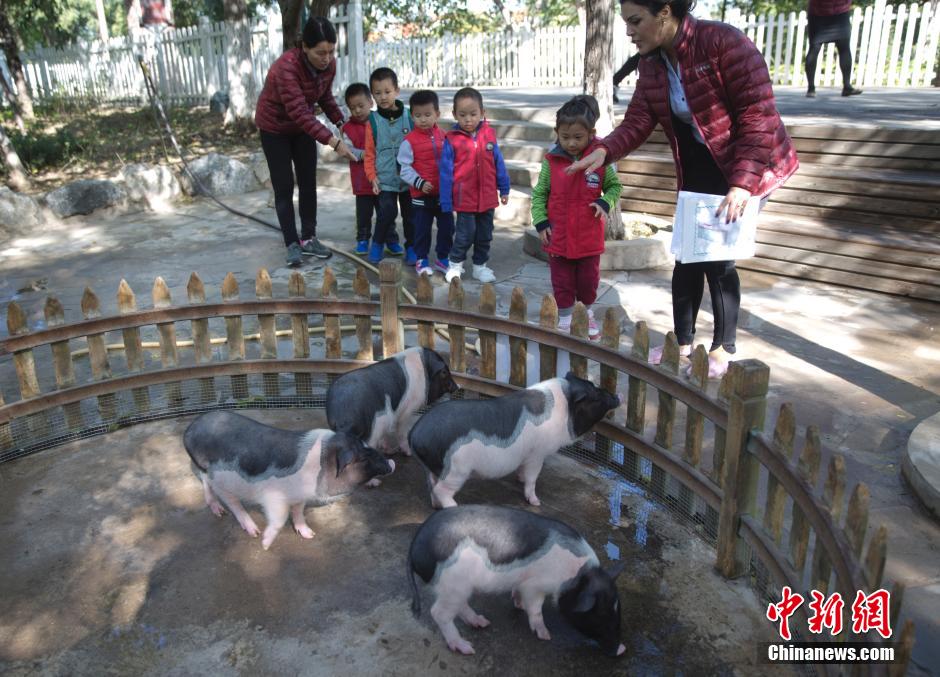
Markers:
point(241, 95)
point(102, 21)
point(10, 42)
point(290, 21)
point(14, 105)
point(18, 178)
point(598, 78)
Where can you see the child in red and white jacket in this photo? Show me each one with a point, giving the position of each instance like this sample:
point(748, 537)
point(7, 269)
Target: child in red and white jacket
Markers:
point(359, 102)
point(419, 157)
point(570, 211)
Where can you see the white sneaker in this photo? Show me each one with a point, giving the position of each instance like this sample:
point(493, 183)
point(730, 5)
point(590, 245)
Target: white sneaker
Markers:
point(483, 273)
point(454, 270)
point(564, 323)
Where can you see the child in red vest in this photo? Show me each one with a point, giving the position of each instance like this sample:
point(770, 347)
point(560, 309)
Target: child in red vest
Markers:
point(570, 211)
point(472, 174)
point(419, 157)
point(359, 101)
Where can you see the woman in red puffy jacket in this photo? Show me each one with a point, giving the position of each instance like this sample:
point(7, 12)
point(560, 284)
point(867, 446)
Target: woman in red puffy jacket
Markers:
point(300, 79)
point(829, 21)
point(708, 87)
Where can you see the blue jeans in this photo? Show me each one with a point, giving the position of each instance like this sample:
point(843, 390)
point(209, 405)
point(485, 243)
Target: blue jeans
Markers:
point(423, 212)
point(473, 228)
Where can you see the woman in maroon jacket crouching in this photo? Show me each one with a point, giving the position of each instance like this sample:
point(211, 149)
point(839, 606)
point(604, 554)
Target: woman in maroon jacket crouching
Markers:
point(299, 79)
point(708, 87)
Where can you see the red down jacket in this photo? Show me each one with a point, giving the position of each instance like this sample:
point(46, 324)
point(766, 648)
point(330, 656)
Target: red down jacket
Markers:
point(291, 88)
point(828, 7)
point(728, 90)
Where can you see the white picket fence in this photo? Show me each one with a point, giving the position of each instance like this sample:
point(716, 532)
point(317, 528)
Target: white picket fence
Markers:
point(188, 64)
point(893, 46)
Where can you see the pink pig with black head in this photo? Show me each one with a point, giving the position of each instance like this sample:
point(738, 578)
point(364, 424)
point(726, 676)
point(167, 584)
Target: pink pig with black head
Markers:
point(489, 549)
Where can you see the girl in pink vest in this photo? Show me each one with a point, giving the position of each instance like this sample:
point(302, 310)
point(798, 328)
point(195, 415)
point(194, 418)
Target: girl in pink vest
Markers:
point(570, 211)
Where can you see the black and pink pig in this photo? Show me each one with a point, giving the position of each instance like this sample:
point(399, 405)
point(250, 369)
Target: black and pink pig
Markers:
point(381, 402)
point(239, 459)
point(513, 433)
point(489, 549)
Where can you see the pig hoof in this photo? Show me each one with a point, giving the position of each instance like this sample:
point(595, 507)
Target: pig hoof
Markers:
point(479, 622)
point(542, 633)
point(461, 646)
point(305, 531)
point(252, 529)
point(374, 482)
point(516, 600)
point(533, 500)
point(217, 509)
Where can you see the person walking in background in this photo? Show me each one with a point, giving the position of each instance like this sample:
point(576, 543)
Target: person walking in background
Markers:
point(474, 181)
point(420, 159)
point(300, 78)
point(830, 21)
point(570, 211)
point(628, 67)
point(359, 102)
point(708, 86)
point(389, 124)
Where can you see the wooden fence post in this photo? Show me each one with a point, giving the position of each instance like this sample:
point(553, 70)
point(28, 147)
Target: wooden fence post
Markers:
point(579, 329)
point(488, 338)
point(833, 495)
point(425, 297)
point(746, 411)
point(665, 414)
point(25, 364)
point(390, 281)
point(235, 338)
point(168, 354)
point(548, 355)
point(517, 346)
point(133, 348)
point(363, 323)
point(62, 362)
point(202, 343)
point(300, 338)
point(458, 353)
point(263, 290)
point(808, 469)
point(98, 356)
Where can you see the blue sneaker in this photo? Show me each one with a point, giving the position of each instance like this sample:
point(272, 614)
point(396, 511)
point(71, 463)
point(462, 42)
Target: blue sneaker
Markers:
point(422, 267)
point(442, 265)
point(375, 252)
point(394, 249)
point(362, 248)
point(410, 257)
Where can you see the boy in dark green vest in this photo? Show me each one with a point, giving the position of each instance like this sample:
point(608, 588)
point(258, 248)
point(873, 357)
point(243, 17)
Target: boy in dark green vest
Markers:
point(389, 125)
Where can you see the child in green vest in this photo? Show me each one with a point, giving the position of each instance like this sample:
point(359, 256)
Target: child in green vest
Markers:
point(389, 125)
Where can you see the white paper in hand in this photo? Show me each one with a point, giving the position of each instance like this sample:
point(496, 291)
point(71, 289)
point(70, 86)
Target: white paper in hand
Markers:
point(698, 235)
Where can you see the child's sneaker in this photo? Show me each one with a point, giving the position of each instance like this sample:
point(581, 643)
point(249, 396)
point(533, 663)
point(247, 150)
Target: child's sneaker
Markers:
point(564, 323)
point(394, 249)
point(483, 273)
point(442, 265)
point(411, 258)
point(375, 252)
point(423, 267)
point(656, 354)
point(594, 331)
point(454, 270)
point(362, 248)
point(295, 255)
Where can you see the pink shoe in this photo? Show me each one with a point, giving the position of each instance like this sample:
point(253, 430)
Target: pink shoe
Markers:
point(656, 354)
point(716, 368)
point(594, 331)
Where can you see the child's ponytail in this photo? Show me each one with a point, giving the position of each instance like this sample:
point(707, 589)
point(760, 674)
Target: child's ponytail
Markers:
point(581, 109)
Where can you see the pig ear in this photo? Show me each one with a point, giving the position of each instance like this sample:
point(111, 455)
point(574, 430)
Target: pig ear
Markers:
point(345, 455)
point(615, 569)
point(585, 602)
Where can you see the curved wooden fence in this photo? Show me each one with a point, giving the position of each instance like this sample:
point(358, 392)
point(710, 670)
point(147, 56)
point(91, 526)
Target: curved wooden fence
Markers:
point(753, 494)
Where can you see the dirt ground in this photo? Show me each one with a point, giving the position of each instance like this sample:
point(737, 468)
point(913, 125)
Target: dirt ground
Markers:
point(112, 564)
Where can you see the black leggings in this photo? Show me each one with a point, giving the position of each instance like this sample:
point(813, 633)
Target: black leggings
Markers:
point(845, 63)
point(286, 154)
point(701, 174)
